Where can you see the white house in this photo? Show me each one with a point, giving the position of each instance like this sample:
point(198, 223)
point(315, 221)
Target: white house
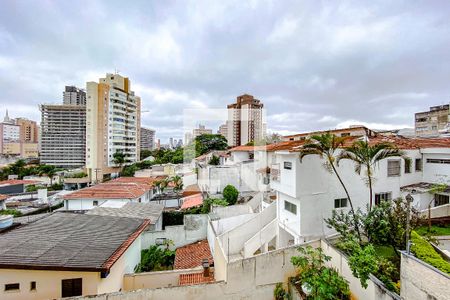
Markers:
point(307, 192)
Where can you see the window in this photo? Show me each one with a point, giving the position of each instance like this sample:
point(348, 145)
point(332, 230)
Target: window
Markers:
point(393, 168)
point(340, 203)
point(290, 207)
point(32, 285)
point(382, 197)
point(345, 134)
point(438, 161)
point(287, 165)
point(418, 164)
point(95, 203)
point(440, 199)
point(407, 166)
point(71, 287)
point(12, 287)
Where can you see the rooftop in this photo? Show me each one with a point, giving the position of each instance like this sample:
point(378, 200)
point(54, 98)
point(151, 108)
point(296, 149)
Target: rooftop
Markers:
point(120, 188)
point(17, 181)
point(423, 187)
point(73, 242)
point(192, 201)
point(3, 197)
point(192, 255)
point(147, 211)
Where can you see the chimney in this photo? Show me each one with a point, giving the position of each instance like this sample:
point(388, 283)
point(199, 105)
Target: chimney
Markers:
point(205, 264)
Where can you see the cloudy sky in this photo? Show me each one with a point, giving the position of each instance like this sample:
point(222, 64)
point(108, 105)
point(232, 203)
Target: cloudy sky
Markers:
point(314, 64)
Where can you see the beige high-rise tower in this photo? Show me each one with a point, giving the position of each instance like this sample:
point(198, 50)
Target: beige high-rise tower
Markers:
point(246, 121)
point(113, 121)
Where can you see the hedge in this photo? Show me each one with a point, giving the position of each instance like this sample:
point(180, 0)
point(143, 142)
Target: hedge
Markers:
point(424, 251)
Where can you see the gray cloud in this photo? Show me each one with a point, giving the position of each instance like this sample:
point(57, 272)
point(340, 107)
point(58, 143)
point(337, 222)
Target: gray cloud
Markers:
point(315, 65)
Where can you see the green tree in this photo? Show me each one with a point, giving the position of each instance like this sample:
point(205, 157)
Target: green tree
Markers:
point(214, 161)
point(119, 158)
point(144, 154)
point(205, 143)
point(177, 182)
point(230, 194)
point(367, 156)
point(326, 145)
point(49, 171)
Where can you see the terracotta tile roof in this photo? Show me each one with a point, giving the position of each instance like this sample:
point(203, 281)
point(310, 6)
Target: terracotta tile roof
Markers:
point(192, 255)
point(350, 129)
point(191, 190)
point(120, 188)
point(195, 278)
point(247, 148)
point(192, 201)
point(401, 142)
point(17, 181)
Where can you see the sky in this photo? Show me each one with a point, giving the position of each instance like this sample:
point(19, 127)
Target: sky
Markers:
point(314, 64)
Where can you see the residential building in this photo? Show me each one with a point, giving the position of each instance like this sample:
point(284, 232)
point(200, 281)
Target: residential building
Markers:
point(352, 131)
point(29, 130)
point(430, 123)
point(147, 139)
point(200, 130)
point(113, 124)
point(63, 135)
point(114, 193)
point(246, 121)
point(19, 137)
point(15, 186)
point(223, 130)
point(74, 96)
point(66, 254)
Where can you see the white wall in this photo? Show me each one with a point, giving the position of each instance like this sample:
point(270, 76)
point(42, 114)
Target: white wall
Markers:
point(193, 230)
point(436, 173)
point(422, 281)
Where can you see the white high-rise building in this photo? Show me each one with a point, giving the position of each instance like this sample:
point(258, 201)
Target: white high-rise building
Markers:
point(113, 122)
point(246, 121)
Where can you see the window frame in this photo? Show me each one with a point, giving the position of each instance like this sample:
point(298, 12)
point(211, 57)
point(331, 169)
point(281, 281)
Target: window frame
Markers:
point(339, 202)
point(289, 205)
point(74, 289)
point(437, 196)
point(388, 198)
point(418, 165)
point(397, 169)
point(12, 287)
point(33, 286)
point(287, 165)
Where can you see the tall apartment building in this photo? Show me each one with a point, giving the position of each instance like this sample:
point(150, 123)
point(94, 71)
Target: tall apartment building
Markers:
point(246, 121)
point(63, 135)
point(113, 121)
point(429, 123)
point(223, 130)
point(19, 137)
point(29, 130)
point(147, 139)
point(74, 96)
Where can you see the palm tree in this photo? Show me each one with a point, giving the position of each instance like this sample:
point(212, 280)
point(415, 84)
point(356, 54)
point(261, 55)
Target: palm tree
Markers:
point(326, 146)
point(366, 155)
point(178, 182)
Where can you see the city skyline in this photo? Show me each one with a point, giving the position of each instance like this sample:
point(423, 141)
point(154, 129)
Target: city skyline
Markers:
point(310, 74)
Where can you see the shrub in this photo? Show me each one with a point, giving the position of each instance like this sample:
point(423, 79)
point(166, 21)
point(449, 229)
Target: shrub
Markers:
point(230, 194)
point(13, 212)
point(156, 259)
point(279, 293)
point(324, 282)
point(215, 160)
point(424, 251)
